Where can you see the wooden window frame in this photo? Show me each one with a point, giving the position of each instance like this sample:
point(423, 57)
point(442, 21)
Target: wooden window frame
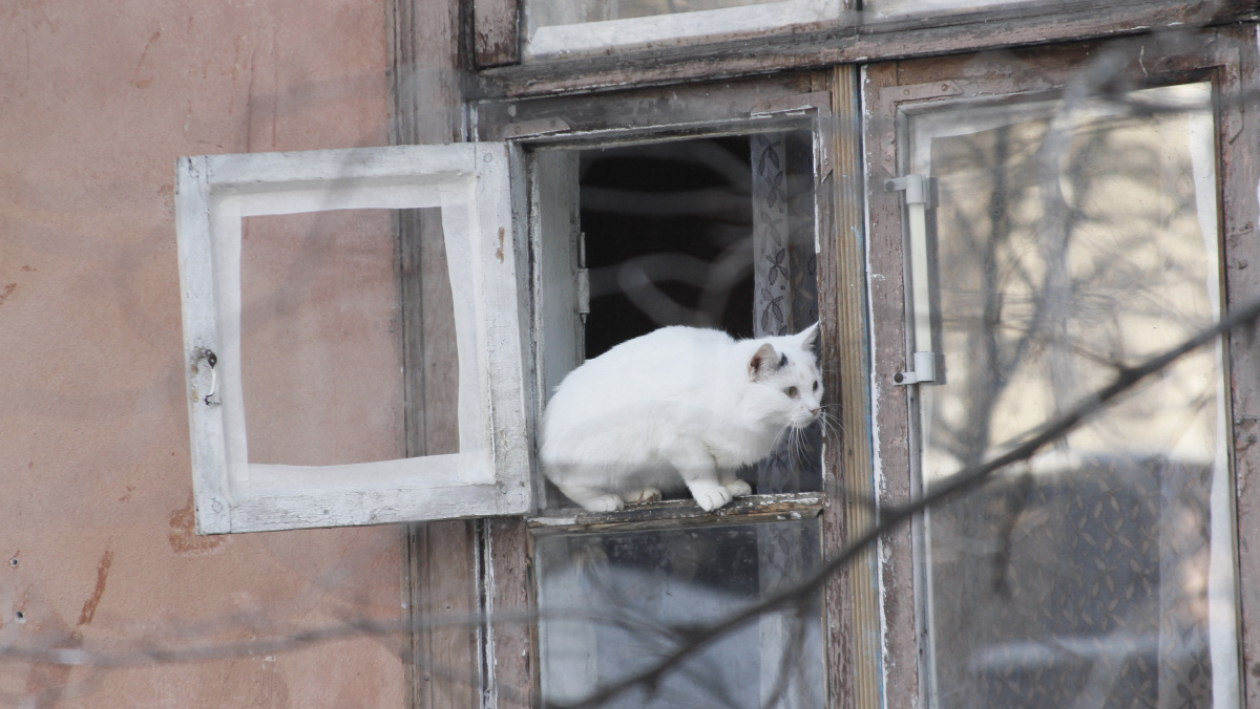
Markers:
point(483, 567)
point(1227, 57)
point(507, 586)
point(496, 34)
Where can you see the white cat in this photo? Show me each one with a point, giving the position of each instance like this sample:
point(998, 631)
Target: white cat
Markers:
point(677, 405)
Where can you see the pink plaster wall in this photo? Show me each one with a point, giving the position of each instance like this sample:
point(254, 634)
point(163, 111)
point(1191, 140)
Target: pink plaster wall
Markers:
point(96, 102)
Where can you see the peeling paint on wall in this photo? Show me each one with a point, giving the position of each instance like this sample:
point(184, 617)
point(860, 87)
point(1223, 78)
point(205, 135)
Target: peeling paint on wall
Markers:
point(183, 534)
point(102, 574)
point(100, 548)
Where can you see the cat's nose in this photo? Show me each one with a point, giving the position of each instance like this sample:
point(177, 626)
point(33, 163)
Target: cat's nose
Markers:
point(814, 412)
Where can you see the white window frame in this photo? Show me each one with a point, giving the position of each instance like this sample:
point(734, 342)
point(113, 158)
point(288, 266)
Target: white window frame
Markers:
point(679, 28)
point(490, 475)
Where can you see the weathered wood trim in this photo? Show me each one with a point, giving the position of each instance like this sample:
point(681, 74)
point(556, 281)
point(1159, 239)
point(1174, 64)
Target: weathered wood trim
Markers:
point(891, 407)
point(1023, 24)
point(510, 609)
point(444, 672)
point(1238, 118)
point(496, 32)
point(852, 600)
point(438, 572)
point(648, 114)
point(557, 330)
point(424, 69)
point(507, 586)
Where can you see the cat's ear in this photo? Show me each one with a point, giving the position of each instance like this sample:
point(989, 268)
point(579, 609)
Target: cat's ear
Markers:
point(764, 361)
point(809, 337)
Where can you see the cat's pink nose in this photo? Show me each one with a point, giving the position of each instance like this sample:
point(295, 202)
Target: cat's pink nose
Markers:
point(814, 412)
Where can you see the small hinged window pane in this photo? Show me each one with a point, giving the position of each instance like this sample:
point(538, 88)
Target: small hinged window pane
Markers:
point(467, 184)
point(563, 27)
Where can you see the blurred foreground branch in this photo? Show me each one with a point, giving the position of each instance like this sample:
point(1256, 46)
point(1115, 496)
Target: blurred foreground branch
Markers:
point(1125, 380)
point(63, 652)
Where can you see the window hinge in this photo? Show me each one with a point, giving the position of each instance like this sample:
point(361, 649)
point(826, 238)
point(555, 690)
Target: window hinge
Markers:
point(923, 371)
point(583, 280)
point(918, 197)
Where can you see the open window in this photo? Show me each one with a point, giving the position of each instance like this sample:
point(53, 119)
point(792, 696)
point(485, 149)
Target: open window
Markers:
point(707, 231)
point(710, 231)
point(713, 223)
point(242, 487)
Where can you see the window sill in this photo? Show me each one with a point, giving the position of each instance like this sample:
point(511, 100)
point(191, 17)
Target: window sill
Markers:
point(674, 513)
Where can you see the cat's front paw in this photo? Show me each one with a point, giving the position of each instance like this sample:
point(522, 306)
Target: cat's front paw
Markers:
point(711, 498)
point(738, 488)
point(602, 503)
point(647, 494)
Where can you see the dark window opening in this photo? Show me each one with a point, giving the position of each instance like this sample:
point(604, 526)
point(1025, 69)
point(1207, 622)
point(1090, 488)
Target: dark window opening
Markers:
point(668, 231)
point(710, 232)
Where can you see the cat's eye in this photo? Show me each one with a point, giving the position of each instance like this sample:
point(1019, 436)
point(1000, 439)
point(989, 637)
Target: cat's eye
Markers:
point(815, 386)
point(791, 391)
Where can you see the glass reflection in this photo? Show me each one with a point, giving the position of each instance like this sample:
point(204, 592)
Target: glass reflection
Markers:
point(615, 603)
point(1071, 240)
point(558, 27)
point(891, 8)
point(566, 12)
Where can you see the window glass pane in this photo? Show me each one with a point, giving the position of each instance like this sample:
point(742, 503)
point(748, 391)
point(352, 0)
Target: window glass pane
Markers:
point(883, 8)
point(615, 603)
point(560, 27)
point(566, 12)
point(1071, 240)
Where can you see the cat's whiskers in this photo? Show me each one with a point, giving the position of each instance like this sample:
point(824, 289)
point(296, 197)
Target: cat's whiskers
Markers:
point(829, 425)
point(778, 437)
point(798, 444)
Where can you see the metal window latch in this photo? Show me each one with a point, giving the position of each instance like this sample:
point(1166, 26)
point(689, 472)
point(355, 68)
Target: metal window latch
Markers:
point(918, 197)
point(583, 280)
point(210, 358)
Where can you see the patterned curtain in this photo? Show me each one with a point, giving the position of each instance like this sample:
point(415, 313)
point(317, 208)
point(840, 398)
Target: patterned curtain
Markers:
point(785, 297)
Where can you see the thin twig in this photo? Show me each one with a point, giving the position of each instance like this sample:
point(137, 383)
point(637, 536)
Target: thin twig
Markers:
point(892, 518)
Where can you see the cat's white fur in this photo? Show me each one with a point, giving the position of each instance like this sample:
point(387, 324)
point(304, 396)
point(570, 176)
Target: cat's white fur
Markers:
point(680, 405)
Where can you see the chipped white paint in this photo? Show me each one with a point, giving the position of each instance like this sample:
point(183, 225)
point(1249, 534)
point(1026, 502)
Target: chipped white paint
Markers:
point(678, 28)
point(469, 182)
point(877, 395)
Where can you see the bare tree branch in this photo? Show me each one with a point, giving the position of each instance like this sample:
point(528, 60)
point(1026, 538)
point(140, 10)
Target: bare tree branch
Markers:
point(891, 518)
